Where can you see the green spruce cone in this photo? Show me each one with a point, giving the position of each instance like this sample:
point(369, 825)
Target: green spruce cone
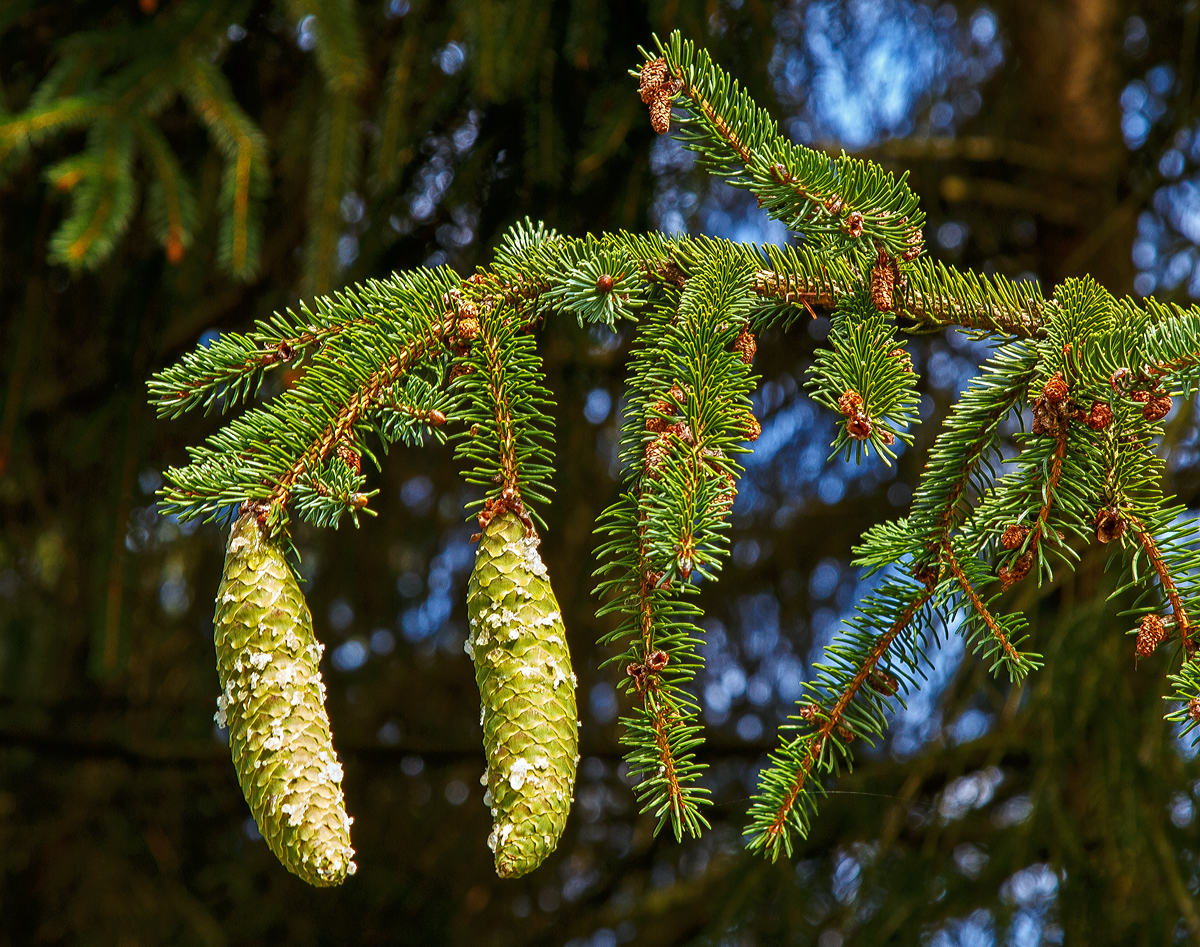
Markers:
point(527, 689)
point(273, 702)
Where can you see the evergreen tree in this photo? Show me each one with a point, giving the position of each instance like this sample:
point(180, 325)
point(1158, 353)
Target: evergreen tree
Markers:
point(780, 891)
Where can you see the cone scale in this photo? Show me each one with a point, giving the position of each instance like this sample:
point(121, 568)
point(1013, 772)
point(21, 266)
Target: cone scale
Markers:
point(527, 691)
point(273, 702)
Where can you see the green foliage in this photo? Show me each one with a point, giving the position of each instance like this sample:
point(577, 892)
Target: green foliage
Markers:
point(1096, 374)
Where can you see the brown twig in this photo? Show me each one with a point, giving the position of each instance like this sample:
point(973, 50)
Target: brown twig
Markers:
point(337, 431)
point(832, 720)
point(993, 626)
point(1154, 554)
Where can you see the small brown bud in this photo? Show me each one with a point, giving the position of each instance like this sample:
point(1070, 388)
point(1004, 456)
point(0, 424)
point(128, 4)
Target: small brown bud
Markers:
point(854, 224)
point(350, 457)
point(638, 673)
point(916, 242)
point(358, 500)
point(751, 427)
point(1010, 575)
point(808, 712)
point(850, 403)
point(1109, 525)
point(1141, 397)
point(656, 452)
point(884, 683)
point(1193, 710)
point(1158, 408)
point(1014, 536)
point(683, 432)
point(745, 345)
point(605, 283)
point(660, 114)
point(676, 394)
point(467, 327)
point(927, 575)
point(651, 79)
point(436, 418)
point(1100, 416)
point(859, 426)
point(1150, 635)
point(657, 661)
point(1119, 380)
point(888, 438)
point(285, 350)
point(1056, 389)
point(902, 356)
point(883, 281)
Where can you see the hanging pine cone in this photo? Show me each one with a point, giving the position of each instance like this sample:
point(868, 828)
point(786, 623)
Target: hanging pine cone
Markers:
point(273, 702)
point(1100, 416)
point(1151, 634)
point(527, 689)
point(1056, 389)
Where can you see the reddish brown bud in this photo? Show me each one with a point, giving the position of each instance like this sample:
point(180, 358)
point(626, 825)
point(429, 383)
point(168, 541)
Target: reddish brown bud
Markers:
point(683, 432)
point(657, 661)
point(745, 345)
point(1109, 525)
point(884, 683)
point(660, 114)
point(656, 453)
point(1014, 536)
point(1193, 710)
point(1141, 397)
point(859, 426)
point(651, 79)
point(1150, 635)
point(751, 427)
point(1017, 571)
point(854, 224)
point(1100, 416)
point(808, 712)
point(883, 280)
point(350, 457)
point(1157, 408)
point(850, 403)
point(467, 327)
point(436, 418)
point(902, 356)
point(605, 283)
point(1056, 389)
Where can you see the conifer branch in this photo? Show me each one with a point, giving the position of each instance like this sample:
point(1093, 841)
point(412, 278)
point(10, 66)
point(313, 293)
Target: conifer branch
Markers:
point(786, 799)
point(1170, 590)
point(1011, 655)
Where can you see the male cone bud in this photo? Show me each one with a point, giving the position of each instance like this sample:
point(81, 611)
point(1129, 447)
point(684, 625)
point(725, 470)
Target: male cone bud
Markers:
point(273, 702)
point(527, 689)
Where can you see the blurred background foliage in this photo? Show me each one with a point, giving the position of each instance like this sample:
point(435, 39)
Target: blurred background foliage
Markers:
point(177, 168)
